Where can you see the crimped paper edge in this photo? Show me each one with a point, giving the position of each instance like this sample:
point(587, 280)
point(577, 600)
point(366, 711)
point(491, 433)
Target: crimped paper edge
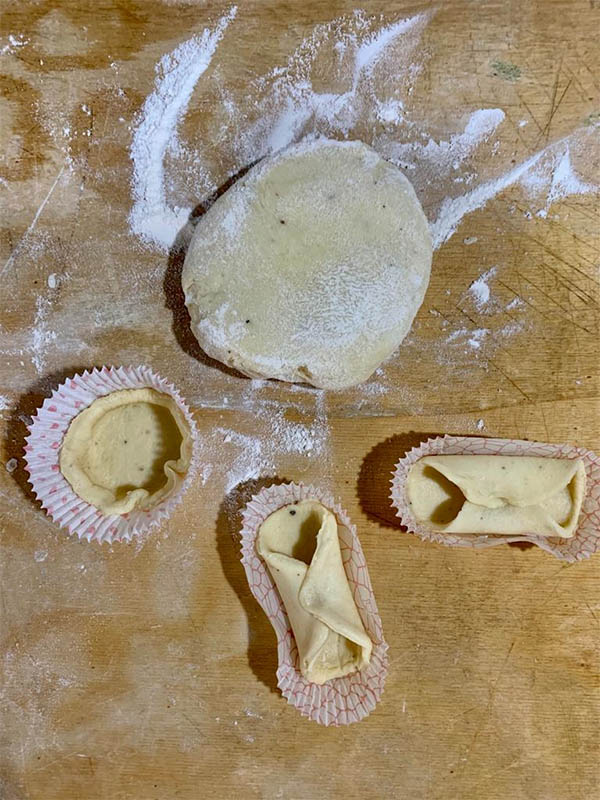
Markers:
point(584, 543)
point(42, 447)
point(328, 704)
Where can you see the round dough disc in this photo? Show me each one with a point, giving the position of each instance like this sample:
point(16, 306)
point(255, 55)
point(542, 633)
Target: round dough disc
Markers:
point(311, 267)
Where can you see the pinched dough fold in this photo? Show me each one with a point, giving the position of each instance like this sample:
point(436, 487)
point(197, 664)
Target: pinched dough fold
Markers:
point(301, 548)
point(497, 494)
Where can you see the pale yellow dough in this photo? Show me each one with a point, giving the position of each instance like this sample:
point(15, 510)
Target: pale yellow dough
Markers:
point(301, 548)
point(311, 267)
point(127, 451)
point(497, 494)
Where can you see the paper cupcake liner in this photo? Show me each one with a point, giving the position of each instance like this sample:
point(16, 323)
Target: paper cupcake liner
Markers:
point(43, 443)
point(587, 536)
point(340, 701)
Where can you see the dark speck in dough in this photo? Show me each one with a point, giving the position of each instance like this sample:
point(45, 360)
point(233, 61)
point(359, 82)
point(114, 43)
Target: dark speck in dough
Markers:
point(282, 221)
point(292, 512)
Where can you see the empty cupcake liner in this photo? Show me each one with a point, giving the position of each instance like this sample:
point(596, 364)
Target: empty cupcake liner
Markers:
point(340, 701)
point(583, 544)
point(43, 443)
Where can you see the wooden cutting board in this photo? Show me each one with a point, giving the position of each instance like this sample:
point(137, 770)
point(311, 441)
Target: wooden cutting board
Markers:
point(148, 670)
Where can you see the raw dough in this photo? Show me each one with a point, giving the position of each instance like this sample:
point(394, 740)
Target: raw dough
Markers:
point(311, 267)
point(127, 451)
point(497, 494)
point(301, 548)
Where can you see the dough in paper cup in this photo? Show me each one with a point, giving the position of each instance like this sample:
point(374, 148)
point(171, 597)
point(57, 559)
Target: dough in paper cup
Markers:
point(340, 701)
point(46, 435)
point(583, 544)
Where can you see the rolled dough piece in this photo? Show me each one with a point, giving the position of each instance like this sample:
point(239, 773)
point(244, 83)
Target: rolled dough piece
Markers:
point(301, 548)
point(497, 494)
point(311, 267)
point(127, 451)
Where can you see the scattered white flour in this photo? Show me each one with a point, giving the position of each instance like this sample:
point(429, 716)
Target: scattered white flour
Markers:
point(24, 239)
point(516, 302)
point(564, 180)
point(291, 107)
point(176, 76)
point(448, 155)
point(250, 456)
point(390, 111)
point(473, 338)
point(372, 62)
point(41, 336)
point(14, 42)
point(480, 290)
point(252, 714)
point(480, 425)
point(11, 465)
point(476, 338)
point(352, 77)
point(511, 329)
point(453, 210)
point(4, 403)
point(285, 99)
point(40, 555)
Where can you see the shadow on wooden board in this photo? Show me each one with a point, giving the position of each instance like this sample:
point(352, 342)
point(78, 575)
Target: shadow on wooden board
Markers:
point(174, 296)
point(20, 418)
point(373, 486)
point(262, 644)
point(374, 479)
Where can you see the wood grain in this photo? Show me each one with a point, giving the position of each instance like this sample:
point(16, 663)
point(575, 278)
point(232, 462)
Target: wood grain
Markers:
point(148, 671)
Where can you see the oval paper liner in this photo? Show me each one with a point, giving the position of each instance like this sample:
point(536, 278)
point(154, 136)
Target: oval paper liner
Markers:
point(340, 701)
point(46, 434)
point(587, 536)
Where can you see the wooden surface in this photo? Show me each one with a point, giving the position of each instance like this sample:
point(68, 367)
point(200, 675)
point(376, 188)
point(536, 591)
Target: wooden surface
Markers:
point(148, 671)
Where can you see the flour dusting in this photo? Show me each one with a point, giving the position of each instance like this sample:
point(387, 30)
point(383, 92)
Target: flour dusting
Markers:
point(41, 335)
point(479, 290)
point(448, 155)
point(177, 74)
point(357, 76)
point(14, 42)
point(377, 66)
point(237, 457)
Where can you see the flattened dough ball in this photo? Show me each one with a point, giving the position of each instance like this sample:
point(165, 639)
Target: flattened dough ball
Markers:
point(311, 267)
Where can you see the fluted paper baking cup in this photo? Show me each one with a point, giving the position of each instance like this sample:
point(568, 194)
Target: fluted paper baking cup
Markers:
point(587, 536)
point(46, 434)
point(340, 701)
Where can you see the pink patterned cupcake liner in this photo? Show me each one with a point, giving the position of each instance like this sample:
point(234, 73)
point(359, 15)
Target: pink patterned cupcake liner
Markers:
point(343, 700)
point(583, 544)
point(42, 449)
